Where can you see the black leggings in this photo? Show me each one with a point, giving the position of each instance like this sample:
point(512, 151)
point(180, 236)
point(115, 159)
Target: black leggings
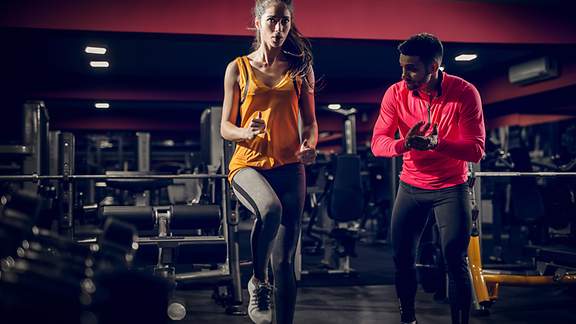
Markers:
point(451, 208)
point(276, 197)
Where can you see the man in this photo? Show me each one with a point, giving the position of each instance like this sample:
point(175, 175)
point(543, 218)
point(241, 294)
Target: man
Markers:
point(439, 117)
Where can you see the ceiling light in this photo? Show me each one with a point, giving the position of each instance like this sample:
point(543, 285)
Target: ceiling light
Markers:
point(104, 144)
point(168, 142)
point(465, 57)
point(99, 64)
point(334, 106)
point(102, 105)
point(95, 50)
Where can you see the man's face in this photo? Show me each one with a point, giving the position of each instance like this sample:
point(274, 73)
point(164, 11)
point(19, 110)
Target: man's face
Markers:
point(414, 73)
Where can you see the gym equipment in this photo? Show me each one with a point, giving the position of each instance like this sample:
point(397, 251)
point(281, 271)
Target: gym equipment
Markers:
point(48, 275)
point(221, 248)
point(524, 209)
point(174, 249)
point(31, 149)
point(171, 249)
point(379, 185)
point(553, 266)
point(161, 226)
point(341, 203)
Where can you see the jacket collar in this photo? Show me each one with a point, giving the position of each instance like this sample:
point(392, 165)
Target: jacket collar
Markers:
point(438, 87)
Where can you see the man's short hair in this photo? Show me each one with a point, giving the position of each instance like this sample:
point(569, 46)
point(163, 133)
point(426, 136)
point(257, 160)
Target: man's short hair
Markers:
point(426, 46)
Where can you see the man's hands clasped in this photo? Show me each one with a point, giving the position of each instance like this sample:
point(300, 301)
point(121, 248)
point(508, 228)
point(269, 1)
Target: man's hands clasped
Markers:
point(417, 139)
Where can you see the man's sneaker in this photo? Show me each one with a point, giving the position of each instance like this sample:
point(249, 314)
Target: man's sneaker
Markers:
point(407, 315)
point(260, 300)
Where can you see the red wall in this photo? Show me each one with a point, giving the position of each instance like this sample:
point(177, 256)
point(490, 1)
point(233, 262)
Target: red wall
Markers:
point(458, 21)
point(452, 21)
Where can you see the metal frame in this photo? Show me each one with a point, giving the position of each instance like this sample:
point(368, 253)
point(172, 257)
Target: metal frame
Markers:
point(228, 270)
point(81, 177)
point(522, 174)
point(486, 283)
point(344, 263)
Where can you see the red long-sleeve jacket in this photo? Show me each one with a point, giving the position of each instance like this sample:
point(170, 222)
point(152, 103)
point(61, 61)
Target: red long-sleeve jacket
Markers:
point(456, 108)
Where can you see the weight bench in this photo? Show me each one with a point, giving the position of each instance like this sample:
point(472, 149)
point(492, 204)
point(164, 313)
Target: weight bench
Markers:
point(168, 249)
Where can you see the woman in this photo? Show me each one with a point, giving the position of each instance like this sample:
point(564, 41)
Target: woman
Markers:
point(264, 93)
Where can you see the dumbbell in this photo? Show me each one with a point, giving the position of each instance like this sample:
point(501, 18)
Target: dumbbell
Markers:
point(49, 275)
point(33, 291)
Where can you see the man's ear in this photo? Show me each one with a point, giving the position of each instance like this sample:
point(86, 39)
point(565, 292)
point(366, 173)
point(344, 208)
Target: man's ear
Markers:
point(434, 66)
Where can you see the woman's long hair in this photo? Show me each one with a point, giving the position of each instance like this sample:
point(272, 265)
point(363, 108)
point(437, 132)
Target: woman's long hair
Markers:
point(296, 48)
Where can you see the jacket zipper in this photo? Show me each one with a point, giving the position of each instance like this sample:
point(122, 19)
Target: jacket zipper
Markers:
point(430, 111)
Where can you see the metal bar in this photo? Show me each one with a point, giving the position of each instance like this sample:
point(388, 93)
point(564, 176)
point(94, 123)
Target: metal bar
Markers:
point(143, 198)
point(67, 189)
point(35, 177)
point(522, 174)
point(199, 276)
point(184, 239)
point(15, 149)
point(231, 231)
point(350, 134)
point(522, 280)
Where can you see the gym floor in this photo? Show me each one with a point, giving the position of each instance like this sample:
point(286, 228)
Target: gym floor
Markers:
point(377, 304)
point(369, 297)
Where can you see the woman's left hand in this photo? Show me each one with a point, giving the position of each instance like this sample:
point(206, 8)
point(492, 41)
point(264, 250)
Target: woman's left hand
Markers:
point(307, 154)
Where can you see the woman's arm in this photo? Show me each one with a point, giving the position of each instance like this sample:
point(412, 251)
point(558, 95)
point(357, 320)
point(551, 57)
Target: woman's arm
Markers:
point(307, 152)
point(230, 107)
point(308, 112)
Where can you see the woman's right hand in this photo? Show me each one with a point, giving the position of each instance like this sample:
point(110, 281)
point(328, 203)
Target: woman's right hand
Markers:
point(256, 126)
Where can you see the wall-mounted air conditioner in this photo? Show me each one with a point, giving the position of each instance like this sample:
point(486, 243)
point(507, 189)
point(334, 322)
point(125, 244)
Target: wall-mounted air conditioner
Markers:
point(533, 71)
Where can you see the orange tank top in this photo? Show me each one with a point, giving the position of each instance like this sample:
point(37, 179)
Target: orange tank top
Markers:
point(279, 107)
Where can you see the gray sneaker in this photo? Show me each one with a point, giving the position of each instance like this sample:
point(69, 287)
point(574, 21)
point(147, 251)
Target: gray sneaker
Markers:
point(260, 299)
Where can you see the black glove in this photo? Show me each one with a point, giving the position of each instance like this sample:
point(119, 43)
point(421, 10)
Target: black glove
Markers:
point(415, 138)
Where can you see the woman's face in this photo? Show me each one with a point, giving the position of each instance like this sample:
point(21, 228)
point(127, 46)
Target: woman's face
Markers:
point(274, 25)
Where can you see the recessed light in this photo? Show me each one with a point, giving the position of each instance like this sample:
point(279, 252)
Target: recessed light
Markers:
point(334, 106)
point(102, 105)
point(168, 142)
point(95, 50)
point(99, 64)
point(465, 57)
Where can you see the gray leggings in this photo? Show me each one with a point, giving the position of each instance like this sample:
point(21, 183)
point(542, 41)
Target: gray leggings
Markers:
point(276, 197)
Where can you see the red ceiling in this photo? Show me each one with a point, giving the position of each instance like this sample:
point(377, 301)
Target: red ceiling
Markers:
point(452, 21)
point(458, 21)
